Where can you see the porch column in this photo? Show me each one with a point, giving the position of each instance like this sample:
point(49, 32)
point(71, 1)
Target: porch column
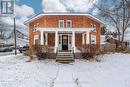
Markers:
point(42, 38)
point(87, 37)
point(56, 40)
point(82, 38)
point(46, 36)
point(73, 40)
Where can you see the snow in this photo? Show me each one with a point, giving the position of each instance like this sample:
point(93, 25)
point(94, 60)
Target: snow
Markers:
point(112, 71)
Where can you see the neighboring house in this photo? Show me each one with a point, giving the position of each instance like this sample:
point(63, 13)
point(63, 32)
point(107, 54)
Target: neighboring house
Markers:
point(64, 30)
point(103, 39)
point(20, 42)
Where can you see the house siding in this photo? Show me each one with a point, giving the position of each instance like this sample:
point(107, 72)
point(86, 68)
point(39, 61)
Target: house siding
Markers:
point(51, 41)
point(78, 39)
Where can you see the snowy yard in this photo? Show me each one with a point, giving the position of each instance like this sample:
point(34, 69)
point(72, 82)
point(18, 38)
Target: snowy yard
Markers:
point(112, 71)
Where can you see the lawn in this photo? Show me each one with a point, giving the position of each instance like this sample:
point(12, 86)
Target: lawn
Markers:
point(112, 71)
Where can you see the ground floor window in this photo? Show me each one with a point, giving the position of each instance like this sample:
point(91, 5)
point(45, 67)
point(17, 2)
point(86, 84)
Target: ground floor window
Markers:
point(93, 39)
point(36, 39)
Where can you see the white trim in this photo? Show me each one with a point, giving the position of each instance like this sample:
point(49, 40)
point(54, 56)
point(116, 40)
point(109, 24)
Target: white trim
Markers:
point(56, 41)
point(87, 38)
point(42, 38)
point(70, 23)
point(73, 40)
point(60, 22)
point(46, 36)
point(76, 14)
point(83, 38)
point(66, 29)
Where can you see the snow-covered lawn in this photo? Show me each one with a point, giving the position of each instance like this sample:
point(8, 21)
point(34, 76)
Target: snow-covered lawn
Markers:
point(112, 71)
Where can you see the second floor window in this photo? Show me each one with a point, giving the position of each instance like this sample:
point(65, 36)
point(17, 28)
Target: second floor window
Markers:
point(61, 23)
point(68, 23)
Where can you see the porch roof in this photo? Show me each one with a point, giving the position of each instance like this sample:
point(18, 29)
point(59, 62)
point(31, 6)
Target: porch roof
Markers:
point(65, 29)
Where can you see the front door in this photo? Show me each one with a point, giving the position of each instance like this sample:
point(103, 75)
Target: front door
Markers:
point(64, 42)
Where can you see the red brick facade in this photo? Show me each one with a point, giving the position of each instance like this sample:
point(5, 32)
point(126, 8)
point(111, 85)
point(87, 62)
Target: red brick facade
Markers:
point(52, 21)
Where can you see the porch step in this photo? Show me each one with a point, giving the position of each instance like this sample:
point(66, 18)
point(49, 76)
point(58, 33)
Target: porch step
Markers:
point(65, 57)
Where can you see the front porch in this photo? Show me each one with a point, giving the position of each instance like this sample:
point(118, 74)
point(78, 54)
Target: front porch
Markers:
point(64, 39)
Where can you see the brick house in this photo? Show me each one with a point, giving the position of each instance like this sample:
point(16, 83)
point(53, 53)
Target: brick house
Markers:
point(64, 30)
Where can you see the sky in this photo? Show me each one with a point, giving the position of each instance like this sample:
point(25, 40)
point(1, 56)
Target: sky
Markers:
point(35, 4)
point(24, 9)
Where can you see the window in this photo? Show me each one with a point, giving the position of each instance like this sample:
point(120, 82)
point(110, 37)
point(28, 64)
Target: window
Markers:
point(61, 23)
point(93, 39)
point(36, 42)
point(69, 39)
point(59, 39)
point(36, 39)
point(68, 23)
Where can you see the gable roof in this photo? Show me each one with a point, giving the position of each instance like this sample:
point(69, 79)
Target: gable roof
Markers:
point(78, 14)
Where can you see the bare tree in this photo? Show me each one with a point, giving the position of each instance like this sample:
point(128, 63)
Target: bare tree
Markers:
point(119, 15)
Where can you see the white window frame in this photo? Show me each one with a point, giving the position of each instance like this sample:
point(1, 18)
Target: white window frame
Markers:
point(93, 37)
point(60, 22)
point(70, 23)
point(36, 37)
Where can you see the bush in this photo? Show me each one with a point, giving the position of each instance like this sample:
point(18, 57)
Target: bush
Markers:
point(43, 52)
point(88, 55)
point(88, 51)
point(106, 48)
point(41, 55)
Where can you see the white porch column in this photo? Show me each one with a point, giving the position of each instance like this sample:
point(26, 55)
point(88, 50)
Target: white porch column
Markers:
point(73, 40)
point(42, 38)
point(46, 36)
point(82, 38)
point(56, 40)
point(87, 37)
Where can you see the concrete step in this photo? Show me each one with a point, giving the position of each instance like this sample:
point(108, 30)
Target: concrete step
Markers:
point(65, 61)
point(65, 57)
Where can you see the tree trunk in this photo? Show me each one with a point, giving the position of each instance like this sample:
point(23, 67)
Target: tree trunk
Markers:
point(119, 37)
point(122, 38)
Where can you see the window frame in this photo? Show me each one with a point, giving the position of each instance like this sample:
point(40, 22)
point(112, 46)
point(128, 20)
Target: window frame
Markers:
point(36, 37)
point(60, 23)
point(70, 24)
point(93, 37)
